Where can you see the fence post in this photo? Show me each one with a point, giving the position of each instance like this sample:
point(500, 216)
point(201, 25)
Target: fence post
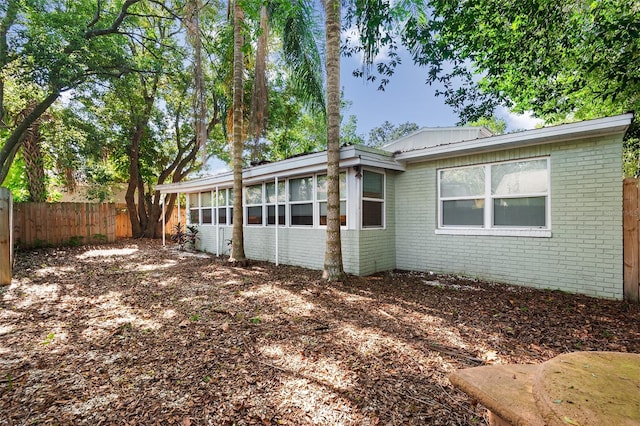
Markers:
point(6, 240)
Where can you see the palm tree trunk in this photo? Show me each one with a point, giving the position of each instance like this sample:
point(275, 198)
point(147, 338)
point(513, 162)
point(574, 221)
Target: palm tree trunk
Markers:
point(333, 267)
point(237, 246)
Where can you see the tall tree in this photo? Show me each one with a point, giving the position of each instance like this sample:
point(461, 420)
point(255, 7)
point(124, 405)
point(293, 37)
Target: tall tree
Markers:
point(58, 45)
point(237, 246)
point(388, 132)
point(333, 265)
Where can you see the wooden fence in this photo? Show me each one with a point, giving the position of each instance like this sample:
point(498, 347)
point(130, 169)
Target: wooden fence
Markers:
point(6, 244)
point(56, 224)
point(123, 223)
point(631, 229)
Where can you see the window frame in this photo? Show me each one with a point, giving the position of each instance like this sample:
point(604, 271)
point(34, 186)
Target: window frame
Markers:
point(280, 201)
point(488, 197)
point(248, 205)
point(343, 199)
point(311, 202)
point(382, 200)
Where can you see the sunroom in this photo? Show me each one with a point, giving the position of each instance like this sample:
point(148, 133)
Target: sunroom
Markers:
point(285, 210)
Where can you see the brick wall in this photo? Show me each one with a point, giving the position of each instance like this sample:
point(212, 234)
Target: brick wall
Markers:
point(584, 253)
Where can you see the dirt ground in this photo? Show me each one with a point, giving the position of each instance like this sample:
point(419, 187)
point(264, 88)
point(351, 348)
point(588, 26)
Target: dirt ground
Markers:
point(134, 333)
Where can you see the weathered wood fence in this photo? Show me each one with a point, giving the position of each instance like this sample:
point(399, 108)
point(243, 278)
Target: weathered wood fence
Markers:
point(631, 229)
point(56, 224)
point(123, 223)
point(6, 244)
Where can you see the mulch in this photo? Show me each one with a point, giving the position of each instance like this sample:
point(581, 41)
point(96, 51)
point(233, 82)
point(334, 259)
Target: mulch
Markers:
point(137, 334)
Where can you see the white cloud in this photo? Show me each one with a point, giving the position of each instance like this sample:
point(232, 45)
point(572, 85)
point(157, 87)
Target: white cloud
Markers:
point(518, 121)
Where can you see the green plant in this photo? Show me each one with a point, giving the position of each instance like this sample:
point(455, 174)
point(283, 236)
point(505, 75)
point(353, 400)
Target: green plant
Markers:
point(48, 339)
point(194, 317)
point(184, 238)
point(76, 240)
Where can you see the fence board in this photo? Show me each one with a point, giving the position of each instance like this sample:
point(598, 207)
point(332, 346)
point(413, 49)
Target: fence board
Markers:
point(123, 223)
point(45, 224)
point(5, 236)
point(631, 229)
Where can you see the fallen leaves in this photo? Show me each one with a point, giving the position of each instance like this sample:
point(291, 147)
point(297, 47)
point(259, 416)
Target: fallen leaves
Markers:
point(141, 335)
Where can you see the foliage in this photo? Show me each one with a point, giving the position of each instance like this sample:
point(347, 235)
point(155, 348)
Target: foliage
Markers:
point(185, 238)
point(498, 126)
point(389, 132)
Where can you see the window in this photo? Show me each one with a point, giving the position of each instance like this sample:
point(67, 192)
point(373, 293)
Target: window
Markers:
point(253, 197)
point(272, 202)
point(194, 209)
point(200, 208)
point(514, 194)
point(301, 201)
point(372, 199)
point(223, 206)
point(206, 207)
point(321, 195)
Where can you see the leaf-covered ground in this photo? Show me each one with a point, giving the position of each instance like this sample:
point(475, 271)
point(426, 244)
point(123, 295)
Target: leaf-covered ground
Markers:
point(134, 333)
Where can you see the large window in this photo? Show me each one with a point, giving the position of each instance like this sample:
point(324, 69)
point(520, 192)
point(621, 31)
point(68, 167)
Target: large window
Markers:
point(321, 195)
point(225, 203)
point(253, 198)
point(513, 194)
point(301, 201)
point(275, 202)
point(200, 208)
point(372, 199)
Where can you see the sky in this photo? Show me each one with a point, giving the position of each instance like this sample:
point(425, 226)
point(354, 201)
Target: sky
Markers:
point(406, 98)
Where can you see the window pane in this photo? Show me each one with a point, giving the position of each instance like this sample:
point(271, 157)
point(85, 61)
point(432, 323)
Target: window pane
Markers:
point(372, 185)
point(343, 213)
point(193, 200)
point(254, 215)
point(230, 215)
point(463, 212)
point(301, 214)
point(222, 216)
point(205, 199)
point(322, 187)
point(230, 191)
point(523, 177)
point(271, 215)
point(271, 192)
point(462, 182)
point(194, 216)
point(254, 194)
point(321, 193)
point(222, 197)
point(206, 216)
point(529, 211)
point(301, 189)
point(372, 214)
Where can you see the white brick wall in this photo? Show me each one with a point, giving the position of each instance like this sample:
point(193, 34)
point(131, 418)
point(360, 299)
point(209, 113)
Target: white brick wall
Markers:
point(583, 255)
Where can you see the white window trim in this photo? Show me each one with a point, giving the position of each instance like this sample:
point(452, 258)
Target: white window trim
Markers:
point(383, 200)
point(246, 206)
point(487, 228)
point(312, 201)
point(275, 204)
point(318, 201)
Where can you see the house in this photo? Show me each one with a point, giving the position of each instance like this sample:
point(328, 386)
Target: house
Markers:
point(541, 208)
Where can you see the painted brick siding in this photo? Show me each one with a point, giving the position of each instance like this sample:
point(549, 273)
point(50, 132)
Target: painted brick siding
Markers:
point(584, 254)
point(297, 246)
point(377, 246)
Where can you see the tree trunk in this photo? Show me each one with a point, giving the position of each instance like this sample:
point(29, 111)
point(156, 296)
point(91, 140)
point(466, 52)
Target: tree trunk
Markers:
point(32, 154)
point(333, 267)
point(237, 246)
point(134, 178)
point(260, 98)
point(14, 140)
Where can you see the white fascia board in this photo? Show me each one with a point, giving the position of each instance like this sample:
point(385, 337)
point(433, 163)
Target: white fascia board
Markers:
point(312, 163)
point(561, 133)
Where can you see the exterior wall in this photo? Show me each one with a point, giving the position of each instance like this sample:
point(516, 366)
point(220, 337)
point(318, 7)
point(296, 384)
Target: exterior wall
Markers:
point(584, 253)
point(297, 246)
point(377, 246)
